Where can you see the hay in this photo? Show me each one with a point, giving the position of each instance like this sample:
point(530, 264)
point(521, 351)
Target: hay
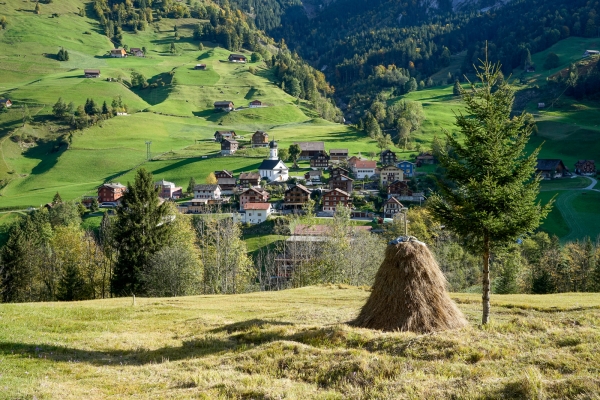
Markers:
point(409, 293)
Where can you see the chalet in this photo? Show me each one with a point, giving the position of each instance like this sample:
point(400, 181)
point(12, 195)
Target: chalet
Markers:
point(295, 197)
point(353, 160)
point(5, 103)
point(425, 158)
point(260, 139)
point(342, 182)
point(249, 179)
point(194, 206)
point(589, 53)
point(388, 157)
point(220, 135)
point(229, 146)
point(200, 67)
point(391, 207)
point(313, 175)
point(338, 171)
point(91, 73)
point(137, 52)
point(226, 181)
point(551, 168)
point(338, 154)
point(111, 192)
point(319, 161)
point(389, 174)
point(364, 169)
point(118, 53)
point(335, 198)
point(273, 168)
point(398, 188)
point(585, 167)
point(310, 149)
point(237, 58)
point(253, 195)
point(256, 213)
point(408, 168)
point(207, 192)
point(224, 105)
point(255, 104)
point(168, 190)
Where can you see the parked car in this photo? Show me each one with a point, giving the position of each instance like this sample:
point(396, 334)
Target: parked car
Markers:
point(108, 204)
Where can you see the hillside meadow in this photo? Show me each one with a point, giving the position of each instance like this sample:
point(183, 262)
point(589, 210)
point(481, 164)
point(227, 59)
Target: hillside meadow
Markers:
point(295, 344)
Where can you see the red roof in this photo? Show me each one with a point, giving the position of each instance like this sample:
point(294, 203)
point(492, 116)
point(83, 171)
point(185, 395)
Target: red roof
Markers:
point(257, 206)
point(365, 164)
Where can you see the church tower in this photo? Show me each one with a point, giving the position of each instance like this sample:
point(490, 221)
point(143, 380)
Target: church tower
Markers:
point(273, 150)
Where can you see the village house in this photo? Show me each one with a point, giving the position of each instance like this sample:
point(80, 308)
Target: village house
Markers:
point(295, 197)
point(392, 207)
point(388, 157)
point(224, 105)
point(256, 213)
point(249, 179)
point(273, 168)
point(338, 154)
point(398, 188)
point(319, 161)
point(226, 181)
point(5, 103)
point(229, 147)
point(260, 139)
point(364, 169)
point(335, 198)
point(200, 67)
point(389, 174)
point(337, 171)
point(310, 149)
point(220, 135)
point(118, 53)
point(352, 160)
point(589, 53)
point(313, 175)
point(408, 168)
point(585, 167)
point(207, 192)
point(168, 190)
point(237, 58)
point(137, 52)
point(425, 158)
point(341, 182)
point(111, 192)
point(255, 104)
point(551, 168)
point(253, 195)
point(194, 206)
point(91, 73)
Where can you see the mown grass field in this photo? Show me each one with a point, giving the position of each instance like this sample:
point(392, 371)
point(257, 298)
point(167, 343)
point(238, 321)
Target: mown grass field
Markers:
point(295, 344)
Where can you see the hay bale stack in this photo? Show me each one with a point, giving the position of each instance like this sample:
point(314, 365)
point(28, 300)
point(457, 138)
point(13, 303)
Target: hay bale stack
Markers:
point(409, 293)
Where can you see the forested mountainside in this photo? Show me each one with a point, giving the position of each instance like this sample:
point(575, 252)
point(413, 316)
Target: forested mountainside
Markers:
point(369, 45)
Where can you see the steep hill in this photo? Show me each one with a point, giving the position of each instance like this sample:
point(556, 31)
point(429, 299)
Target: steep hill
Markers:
point(296, 344)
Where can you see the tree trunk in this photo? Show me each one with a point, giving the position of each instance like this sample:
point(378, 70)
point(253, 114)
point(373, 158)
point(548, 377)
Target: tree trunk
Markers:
point(486, 280)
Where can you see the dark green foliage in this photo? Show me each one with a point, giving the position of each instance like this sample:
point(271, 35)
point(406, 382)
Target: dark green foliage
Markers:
point(410, 86)
point(56, 199)
point(71, 285)
point(60, 108)
point(63, 55)
point(552, 61)
point(3, 22)
point(142, 228)
point(191, 185)
point(105, 110)
point(139, 80)
point(94, 206)
point(456, 89)
point(490, 197)
point(64, 213)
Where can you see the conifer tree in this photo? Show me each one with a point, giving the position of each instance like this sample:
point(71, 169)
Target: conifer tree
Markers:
point(456, 89)
point(105, 110)
point(489, 194)
point(191, 185)
point(56, 199)
point(141, 229)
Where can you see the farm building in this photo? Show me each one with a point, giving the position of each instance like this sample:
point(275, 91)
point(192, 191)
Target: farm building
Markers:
point(229, 146)
point(136, 51)
point(585, 167)
point(220, 135)
point(224, 105)
point(310, 149)
point(249, 179)
point(256, 104)
point(238, 58)
point(551, 168)
point(200, 66)
point(118, 53)
point(260, 139)
point(338, 154)
point(91, 73)
point(425, 158)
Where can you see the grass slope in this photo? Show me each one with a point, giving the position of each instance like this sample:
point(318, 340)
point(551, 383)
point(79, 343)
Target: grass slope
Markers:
point(295, 344)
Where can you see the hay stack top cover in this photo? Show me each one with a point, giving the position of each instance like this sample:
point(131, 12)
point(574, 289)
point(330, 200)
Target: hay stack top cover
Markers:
point(409, 293)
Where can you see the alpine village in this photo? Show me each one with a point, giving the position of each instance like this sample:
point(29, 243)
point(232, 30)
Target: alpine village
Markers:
point(299, 199)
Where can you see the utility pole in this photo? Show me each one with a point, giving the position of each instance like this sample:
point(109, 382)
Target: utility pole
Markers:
point(148, 153)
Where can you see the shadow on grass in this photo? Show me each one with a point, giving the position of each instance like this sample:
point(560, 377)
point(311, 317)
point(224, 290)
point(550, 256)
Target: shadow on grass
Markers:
point(48, 153)
point(210, 115)
point(156, 95)
point(251, 93)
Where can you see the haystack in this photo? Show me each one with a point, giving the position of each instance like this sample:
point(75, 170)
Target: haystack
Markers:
point(409, 293)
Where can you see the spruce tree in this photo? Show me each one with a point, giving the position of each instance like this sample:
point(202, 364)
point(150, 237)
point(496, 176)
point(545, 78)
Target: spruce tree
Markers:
point(56, 199)
point(141, 229)
point(191, 185)
point(105, 110)
point(456, 89)
point(489, 194)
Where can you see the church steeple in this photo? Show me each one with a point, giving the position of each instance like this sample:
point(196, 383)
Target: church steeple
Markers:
point(273, 150)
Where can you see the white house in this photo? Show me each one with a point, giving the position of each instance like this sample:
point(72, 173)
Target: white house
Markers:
point(256, 213)
point(273, 168)
point(207, 192)
point(363, 168)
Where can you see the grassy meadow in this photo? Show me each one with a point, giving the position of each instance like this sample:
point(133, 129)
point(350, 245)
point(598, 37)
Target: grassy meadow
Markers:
point(296, 344)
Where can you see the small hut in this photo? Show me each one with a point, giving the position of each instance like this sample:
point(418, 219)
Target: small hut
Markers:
point(409, 293)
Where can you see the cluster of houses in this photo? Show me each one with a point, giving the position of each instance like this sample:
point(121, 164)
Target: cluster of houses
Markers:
point(554, 168)
point(122, 53)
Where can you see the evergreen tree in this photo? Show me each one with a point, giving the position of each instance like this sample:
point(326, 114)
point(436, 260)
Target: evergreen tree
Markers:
point(411, 85)
point(60, 108)
point(105, 110)
point(94, 206)
point(56, 199)
point(191, 185)
point(294, 152)
point(456, 89)
point(489, 194)
point(141, 229)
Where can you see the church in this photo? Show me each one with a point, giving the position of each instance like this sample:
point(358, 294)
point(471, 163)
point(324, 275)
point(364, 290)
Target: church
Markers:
point(273, 168)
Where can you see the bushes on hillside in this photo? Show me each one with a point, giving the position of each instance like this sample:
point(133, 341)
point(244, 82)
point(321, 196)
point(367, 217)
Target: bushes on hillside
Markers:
point(88, 114)
point(63, 55)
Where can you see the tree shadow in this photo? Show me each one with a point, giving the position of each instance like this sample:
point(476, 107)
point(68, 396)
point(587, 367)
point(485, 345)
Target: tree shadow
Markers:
point(157, 94)
point(51, 56)
point(48, 153)
point(251, 93)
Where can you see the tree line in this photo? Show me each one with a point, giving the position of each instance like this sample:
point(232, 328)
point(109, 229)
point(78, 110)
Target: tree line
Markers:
point(87, 114)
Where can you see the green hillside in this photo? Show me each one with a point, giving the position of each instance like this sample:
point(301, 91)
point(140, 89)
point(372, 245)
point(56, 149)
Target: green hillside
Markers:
point(295, 344)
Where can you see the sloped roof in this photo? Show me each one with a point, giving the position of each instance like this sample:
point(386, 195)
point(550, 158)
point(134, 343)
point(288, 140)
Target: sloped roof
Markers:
point(269, 164)
point(337, 191)
point(392, 200)
point(311, 146)
point(338, 151)
point(549, 164)
point(341, 177)
point(250, 175)
point(257, 206)
point(365, 164)
point(259, 191)
point(206, 187)
point(223, 103)
point(301, 187)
